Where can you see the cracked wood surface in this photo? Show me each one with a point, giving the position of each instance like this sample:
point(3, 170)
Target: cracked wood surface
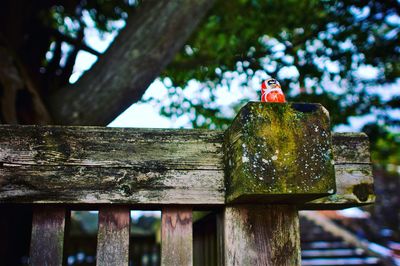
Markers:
point(51, 164)
point(353, 169)
point(262, 235)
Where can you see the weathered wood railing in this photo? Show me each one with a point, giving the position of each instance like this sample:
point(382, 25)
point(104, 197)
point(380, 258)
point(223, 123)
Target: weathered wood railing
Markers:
point(274, 160)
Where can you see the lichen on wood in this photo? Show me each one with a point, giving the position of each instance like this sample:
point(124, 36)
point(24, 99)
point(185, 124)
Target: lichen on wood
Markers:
point(355, 187)
point(279, 152)
point(353, 169)
point(50, 164)
point(97, 165)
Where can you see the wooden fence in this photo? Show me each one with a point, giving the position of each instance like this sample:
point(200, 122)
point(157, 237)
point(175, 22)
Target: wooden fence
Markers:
point(274, 160)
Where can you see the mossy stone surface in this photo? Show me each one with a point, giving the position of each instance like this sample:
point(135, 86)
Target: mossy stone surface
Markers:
point(279, 152)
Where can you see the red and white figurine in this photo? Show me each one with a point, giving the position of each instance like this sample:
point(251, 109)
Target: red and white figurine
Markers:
point(271, 91)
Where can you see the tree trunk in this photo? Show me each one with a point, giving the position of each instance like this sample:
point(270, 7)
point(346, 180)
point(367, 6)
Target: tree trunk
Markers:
point(20, 103)
point(151, 38)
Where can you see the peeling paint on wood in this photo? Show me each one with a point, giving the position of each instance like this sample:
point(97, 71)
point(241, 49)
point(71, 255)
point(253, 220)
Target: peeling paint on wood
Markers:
point(176, 237)
point(47, 240)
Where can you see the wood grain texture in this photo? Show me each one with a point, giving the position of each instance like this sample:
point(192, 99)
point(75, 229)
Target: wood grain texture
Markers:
point(149, 149)
point(113, 236)
point(355, 187)
point(47, 240)
point(176, 237)
point(262, 235)
point(351, 148)
point(94, 165)
point(110, 165)
point(353, 168)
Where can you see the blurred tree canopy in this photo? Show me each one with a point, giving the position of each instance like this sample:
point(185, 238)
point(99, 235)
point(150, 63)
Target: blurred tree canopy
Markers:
point(341, 53)
point(326, 44)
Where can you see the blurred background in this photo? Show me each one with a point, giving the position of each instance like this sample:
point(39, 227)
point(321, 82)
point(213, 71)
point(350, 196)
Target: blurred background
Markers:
point(193, 64)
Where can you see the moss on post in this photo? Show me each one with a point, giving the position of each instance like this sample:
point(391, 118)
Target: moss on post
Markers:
point(279, 153)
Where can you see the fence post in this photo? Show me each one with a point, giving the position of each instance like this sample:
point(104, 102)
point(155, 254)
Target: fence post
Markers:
point(262, 235)
point(276, 157)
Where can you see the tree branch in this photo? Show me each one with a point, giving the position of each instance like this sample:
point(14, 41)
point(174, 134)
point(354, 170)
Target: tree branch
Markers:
point(151, 38)
point(75, 41)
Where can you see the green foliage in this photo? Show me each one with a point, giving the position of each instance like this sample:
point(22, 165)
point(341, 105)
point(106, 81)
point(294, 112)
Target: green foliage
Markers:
point(326, 42)
point(47, 35)
point(385, 145)
point(68, 16)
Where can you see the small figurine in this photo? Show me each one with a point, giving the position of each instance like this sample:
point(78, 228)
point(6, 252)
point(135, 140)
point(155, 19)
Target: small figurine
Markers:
point(271, 91)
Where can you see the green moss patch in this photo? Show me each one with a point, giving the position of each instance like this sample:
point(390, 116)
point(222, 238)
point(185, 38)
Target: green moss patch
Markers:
point(276, 149)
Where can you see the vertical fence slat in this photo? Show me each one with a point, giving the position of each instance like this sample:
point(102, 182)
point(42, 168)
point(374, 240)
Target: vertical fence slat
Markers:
point(176, 237)
point(262, 235)
point(113, 236)
point(47, 240)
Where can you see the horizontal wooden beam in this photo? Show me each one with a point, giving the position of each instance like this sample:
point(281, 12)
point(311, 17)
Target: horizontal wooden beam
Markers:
point(94, 165)
point(110, 165)
point(353, 170)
